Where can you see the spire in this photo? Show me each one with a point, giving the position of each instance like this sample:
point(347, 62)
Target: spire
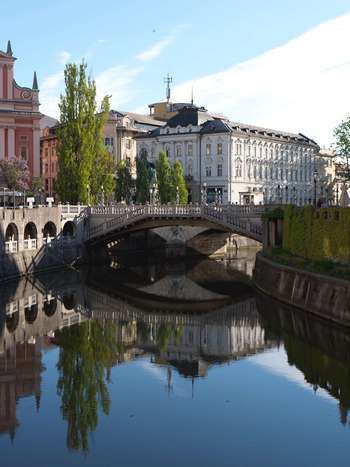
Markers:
point(168, 80)
point(35, 86)
point(9, 49)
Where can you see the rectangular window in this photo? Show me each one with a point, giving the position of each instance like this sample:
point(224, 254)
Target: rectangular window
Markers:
point(208, 171)
point(46, 168)
point(189, 150)
point(178, 151)
point(219, 149)
point(128, 144)
point(46, 152)
point(24, 153)
point(208, 152)
point(219, 170)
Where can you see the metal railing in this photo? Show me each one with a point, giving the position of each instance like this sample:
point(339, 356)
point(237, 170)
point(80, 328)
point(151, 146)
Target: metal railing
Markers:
point(29, 244)
point(11, 246)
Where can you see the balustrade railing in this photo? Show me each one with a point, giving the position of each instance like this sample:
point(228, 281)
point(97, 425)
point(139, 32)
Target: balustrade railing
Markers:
point(29, 244)
point(11, 246)
point(230, 215)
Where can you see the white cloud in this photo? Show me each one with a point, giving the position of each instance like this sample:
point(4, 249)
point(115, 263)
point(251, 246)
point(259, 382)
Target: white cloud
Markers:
point(64, 57)
point(117, 82)
point(50, 93)
point(301, 86)
point(155, 50)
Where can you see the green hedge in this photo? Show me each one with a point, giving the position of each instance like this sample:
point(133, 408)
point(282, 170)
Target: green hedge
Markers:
point(317, 233)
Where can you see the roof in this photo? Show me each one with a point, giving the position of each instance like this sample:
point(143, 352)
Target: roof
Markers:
point(47, 122)
point(139, 118)
point(191, 115)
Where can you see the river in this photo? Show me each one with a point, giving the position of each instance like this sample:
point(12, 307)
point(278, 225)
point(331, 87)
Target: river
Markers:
point(155, 362)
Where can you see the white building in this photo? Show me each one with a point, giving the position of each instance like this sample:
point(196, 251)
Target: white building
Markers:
point(234, 162)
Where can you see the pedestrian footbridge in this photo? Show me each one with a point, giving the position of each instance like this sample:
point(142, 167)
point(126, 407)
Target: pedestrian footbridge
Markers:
point(108, 223)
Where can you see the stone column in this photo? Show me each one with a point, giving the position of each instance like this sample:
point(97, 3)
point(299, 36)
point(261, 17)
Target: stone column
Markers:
point(36, 153)
point(1, 78)
point(2, 141)
point(11, 142)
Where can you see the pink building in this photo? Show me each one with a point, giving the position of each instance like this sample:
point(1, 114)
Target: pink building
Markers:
point(19, 116)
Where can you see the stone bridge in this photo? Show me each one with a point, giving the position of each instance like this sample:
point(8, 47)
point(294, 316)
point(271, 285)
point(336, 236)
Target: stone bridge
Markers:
point(108, 223)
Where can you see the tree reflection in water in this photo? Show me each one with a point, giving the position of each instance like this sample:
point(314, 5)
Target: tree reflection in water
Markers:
point(87, 353)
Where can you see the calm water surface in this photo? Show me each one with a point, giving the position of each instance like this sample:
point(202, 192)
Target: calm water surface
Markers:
point(168, 364)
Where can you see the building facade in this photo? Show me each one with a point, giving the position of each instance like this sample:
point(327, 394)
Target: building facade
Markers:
point(120, 130)
point(233, 162)
point(19, 116)
point(49, 159)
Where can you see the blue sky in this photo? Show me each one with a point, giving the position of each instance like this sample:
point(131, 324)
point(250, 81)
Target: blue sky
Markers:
point(130, 46)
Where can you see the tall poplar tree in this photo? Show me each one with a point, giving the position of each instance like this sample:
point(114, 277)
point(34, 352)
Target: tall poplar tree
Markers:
point(143, 179)
point(124, 182)
point(164, 179)
point(83, 160)
point(178, 183)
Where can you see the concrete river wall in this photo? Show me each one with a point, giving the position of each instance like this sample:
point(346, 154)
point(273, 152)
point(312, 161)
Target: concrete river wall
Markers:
point(325, 296)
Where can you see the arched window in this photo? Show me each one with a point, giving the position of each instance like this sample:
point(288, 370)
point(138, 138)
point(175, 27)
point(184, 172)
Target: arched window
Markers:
point(69, 229)
point(49, 232)
point(30, 236)
point(238, 167)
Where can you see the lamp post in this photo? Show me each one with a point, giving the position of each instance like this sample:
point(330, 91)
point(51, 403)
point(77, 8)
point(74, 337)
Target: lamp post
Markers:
point(337, 195)
point(279, 194)
point(102, 195)
point(204, 193)
point(287, 198)
point(177, 195)
point(88, 194)
point(294, 195)
point(315, 188)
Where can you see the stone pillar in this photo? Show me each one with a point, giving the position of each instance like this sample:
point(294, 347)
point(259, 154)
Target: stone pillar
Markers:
point(2, 140)
point(11, 142)
point(36, 152)
point(1, 79)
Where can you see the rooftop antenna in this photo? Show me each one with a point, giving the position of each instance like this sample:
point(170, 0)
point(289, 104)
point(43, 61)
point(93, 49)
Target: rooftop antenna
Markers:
point(168, 80)
point(192, 95)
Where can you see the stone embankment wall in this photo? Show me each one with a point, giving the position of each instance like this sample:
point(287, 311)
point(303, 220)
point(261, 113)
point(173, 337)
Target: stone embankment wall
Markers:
point(324, 296)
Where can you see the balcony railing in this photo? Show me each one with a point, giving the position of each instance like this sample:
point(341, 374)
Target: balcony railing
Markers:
point(29, 244)
point(11, 246)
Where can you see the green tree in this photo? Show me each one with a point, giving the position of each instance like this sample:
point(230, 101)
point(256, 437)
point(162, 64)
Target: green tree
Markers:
point(124, 182)
point(83, 161)
point(87, 354)
point(102, 174)
point(342, 137)
point(143, 178)
point(164, 178)
point(178, 183)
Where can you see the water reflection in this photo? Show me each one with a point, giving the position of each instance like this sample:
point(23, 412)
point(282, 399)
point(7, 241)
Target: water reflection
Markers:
point(187, 318)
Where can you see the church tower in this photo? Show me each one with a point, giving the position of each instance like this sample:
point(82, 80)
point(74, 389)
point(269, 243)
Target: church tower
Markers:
point(19, 116)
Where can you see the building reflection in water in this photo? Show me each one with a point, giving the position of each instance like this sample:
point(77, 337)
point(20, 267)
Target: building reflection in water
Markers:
point(102, 319)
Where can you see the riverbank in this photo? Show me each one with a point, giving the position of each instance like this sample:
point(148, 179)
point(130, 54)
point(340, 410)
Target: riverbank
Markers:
point(314, 292)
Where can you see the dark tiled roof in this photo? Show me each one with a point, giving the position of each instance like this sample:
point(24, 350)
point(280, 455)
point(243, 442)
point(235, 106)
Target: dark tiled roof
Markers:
point(189, 116)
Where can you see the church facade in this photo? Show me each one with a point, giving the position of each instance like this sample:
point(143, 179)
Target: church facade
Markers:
point(19, 116)
point(235, 163)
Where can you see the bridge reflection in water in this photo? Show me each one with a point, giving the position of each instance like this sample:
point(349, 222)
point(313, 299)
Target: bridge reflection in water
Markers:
point(187, 319)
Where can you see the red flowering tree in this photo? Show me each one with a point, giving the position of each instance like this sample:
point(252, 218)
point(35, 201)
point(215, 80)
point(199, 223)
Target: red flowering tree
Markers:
point(15, 174)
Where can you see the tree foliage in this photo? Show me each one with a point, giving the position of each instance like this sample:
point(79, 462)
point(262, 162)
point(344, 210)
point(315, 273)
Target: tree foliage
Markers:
point(87, 354)
point(124, 182)
point(342, 136)
point(83, 160)
point(178, 183)
point(15, 173)
point(164, 179)
point(143, 179)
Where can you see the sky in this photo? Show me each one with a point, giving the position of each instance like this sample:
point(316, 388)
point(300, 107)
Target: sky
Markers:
point(279, 63)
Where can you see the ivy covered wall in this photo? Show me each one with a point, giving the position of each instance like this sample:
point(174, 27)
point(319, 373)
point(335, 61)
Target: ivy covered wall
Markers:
point(317, 233)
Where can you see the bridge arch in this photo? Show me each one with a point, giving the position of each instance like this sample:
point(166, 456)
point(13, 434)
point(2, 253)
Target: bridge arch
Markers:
point(11, 233)
point(69, 229)
point(69, 301)
point(50, 307)
point(49, 230)
point(12, 321)
point(31, 313)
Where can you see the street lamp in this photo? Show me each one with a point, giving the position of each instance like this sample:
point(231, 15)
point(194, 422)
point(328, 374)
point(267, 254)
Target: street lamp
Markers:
point(315, 188)
point(287, 198)
point(204, 193)
point(88, 194)
point(279, 194)
point(337, 195)
point(102, 195)
point(294, 195)
point(177, 195)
